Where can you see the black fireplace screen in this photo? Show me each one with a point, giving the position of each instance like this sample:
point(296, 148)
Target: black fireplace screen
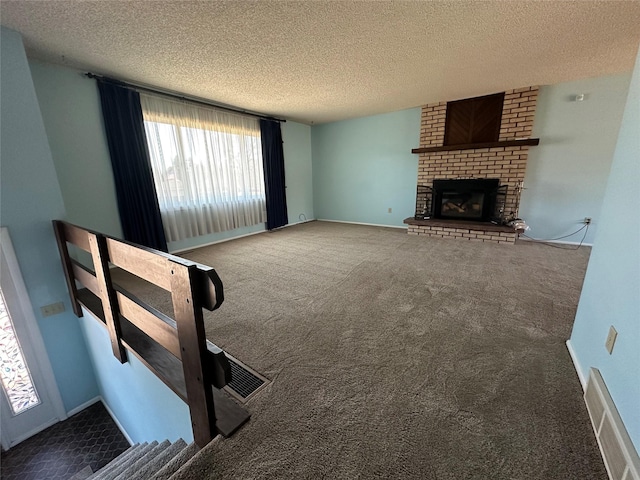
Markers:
point(424, 200)
point(481, 200)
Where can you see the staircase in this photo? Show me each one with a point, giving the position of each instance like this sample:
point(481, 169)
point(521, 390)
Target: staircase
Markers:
point(145, 461)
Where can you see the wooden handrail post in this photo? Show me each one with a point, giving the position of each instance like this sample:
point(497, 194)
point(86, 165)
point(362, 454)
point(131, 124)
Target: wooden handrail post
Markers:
point(187, 309)
point(58, 228)
point(100, 255)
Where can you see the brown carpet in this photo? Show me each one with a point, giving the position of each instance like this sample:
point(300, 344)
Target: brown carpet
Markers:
point(395, 356)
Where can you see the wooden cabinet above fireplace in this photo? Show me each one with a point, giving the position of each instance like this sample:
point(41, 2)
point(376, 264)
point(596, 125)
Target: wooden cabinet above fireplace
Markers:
point(474, 123)
point(473, 120)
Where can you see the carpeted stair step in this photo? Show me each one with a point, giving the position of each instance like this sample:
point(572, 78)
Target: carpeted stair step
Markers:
point(199, 466)
point(141, 452)
point(116, 462)
point(151, 468)
point(176, 462)
point(145, 461)
point(132, 470)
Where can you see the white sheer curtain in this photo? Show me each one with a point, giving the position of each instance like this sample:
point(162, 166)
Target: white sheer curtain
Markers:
point(207, 167)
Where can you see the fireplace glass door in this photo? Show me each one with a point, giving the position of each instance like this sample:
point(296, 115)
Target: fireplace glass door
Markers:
point(466, 205)
point(471, 199)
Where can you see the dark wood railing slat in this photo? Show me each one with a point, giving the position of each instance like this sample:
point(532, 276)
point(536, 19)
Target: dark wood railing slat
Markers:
point(149, 322)
point(67, 267)
point(77, 236)
point(86, 277)
point(142, 263)
point(135, 342)
point(193, 351)
point(107, 294)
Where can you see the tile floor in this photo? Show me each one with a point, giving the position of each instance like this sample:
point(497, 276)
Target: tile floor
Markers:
point(59, 452)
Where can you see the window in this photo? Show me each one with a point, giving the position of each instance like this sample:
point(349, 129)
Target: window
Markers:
point(16, 378)
point(207, 167)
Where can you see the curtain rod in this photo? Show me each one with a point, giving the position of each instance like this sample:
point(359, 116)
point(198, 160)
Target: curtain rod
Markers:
point(168, 93)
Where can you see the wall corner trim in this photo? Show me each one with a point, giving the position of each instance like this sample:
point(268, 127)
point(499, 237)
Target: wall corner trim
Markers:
point(97, 399)
point(576, 365)
point(84, 405)
point(116, 421)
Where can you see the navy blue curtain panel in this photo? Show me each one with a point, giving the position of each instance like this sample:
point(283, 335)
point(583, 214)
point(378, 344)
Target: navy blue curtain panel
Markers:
point(273, 161)
point(135, 190)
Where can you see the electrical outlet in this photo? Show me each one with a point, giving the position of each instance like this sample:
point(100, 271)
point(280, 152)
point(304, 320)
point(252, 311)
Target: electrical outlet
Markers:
point(587, 220)
point(52, 309)
point(611, 339)
point(389, 211)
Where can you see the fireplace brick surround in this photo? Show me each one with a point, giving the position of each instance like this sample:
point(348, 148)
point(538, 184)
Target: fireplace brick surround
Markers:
point(507, 163)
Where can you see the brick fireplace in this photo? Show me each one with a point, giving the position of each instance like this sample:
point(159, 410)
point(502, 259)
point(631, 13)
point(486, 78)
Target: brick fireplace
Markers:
point(504, 160)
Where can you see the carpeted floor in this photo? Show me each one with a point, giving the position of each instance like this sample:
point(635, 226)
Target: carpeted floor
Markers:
point(395, 356)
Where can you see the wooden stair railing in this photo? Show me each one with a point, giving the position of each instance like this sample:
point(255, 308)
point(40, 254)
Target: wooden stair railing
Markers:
point(133, 325)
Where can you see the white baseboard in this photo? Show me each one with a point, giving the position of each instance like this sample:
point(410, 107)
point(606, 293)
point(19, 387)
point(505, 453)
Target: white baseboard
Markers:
point(297, 223)
point(117, 422)
point(31, 433)
point(86, 404)
point(182, 250)
point(189, 249)
point(576, 365)
point(362, 223)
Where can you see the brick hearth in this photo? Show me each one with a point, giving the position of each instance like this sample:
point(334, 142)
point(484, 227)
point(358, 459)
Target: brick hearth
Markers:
point(461, 230)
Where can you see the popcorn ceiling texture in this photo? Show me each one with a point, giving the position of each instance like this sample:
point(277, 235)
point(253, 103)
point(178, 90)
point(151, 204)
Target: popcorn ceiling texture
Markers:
point(321, 61)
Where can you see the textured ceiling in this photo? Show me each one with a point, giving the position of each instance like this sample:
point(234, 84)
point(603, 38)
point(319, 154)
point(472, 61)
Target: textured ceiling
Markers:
point(320, 61)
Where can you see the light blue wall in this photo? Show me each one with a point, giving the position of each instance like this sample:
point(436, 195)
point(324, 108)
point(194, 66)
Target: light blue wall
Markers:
point(298, 171)
point(29, 199)
point(611, 290)
point(363, 167)
point(70, 106)
point(145, 407)
point(567, 173)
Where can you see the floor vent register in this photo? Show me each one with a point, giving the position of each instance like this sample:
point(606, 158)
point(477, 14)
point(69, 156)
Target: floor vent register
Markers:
point(245, 382)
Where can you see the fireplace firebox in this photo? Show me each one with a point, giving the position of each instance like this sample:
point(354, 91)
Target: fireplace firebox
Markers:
point(478, 200)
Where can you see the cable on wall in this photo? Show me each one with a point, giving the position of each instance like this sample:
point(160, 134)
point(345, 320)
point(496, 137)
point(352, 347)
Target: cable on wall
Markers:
point(585, 227)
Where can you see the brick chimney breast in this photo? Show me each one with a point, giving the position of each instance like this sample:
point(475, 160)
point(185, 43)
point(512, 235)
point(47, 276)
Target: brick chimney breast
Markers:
point(505, 163)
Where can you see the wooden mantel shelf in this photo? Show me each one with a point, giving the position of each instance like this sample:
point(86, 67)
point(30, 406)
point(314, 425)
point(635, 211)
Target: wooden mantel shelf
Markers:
point(469, 146)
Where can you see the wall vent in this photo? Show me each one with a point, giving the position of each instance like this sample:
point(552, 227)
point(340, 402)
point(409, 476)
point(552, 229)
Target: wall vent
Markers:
point(620, 457)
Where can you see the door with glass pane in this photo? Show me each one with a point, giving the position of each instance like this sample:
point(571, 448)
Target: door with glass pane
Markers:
point(27, 402)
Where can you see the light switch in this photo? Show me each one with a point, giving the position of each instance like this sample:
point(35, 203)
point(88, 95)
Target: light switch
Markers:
point(52, 309)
